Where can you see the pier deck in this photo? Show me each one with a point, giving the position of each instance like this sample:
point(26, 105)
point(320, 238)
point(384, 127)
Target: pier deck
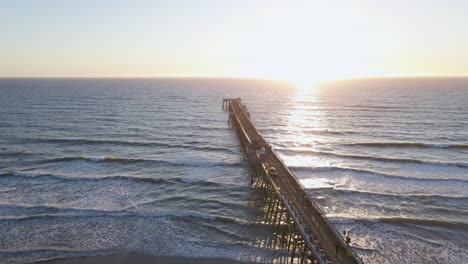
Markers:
point(311, 232)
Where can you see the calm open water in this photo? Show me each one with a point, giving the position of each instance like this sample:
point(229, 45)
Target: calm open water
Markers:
point(101, 166)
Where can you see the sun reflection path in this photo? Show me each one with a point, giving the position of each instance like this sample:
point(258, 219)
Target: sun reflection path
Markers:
point(305, 121)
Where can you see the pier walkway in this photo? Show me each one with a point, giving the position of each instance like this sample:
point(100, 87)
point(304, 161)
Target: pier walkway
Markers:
point(304, 226)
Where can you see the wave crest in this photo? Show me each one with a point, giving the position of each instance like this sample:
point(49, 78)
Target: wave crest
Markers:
point(397, 220)
point(392, 176)
point(111, 177)
point(407, 145)
point(374, 158)
point(138, 160)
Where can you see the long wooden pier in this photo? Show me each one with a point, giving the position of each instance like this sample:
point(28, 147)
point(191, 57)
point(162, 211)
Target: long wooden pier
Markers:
point(305, 231)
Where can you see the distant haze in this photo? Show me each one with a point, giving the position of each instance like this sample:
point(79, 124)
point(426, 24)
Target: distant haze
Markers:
point(300, 41)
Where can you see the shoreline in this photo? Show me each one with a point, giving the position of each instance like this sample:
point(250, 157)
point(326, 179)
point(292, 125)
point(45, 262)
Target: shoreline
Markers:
point(138, 258)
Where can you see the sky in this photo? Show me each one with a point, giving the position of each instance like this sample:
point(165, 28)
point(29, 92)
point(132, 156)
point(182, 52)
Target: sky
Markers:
point(301, 41)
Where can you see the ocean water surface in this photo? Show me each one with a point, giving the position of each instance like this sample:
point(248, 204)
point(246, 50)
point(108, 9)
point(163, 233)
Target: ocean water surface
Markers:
point(103, 166)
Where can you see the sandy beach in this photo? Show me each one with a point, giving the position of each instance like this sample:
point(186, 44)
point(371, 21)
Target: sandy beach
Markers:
point(141, 259)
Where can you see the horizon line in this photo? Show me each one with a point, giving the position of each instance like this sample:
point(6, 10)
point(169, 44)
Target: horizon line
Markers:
point(236, 77)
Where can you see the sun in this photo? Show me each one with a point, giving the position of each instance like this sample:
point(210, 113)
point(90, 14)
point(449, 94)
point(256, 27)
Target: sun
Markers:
point(302, 49)
point(305, 83)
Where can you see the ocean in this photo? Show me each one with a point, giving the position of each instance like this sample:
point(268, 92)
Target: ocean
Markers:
point(94, 167)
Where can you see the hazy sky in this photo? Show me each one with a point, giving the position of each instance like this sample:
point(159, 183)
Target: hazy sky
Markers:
point(296, 40)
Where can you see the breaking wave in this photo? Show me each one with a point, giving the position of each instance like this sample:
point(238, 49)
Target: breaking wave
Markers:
point(137, 160)
point(362, 171)
point(49, 211)
point(398, 220)
point(381, 159)
point(406, 145)
point(82, 141)
point(153, 180)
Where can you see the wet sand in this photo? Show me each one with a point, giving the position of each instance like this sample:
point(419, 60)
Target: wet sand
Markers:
point(141, 259)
